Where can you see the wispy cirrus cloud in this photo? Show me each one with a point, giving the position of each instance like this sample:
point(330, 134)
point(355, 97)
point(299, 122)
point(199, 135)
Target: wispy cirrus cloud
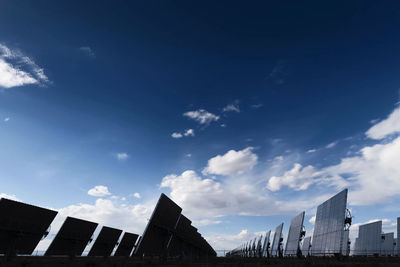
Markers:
point(122, 156)
point(232, 107)
point(17, 69)
point(87, 51)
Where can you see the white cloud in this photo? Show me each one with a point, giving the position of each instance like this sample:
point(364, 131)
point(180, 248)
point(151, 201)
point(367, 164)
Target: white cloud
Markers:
point(298, 178)
point(122, 156)
point(232, 107)
point(87, 50)
point(17, 69)
point(136, 195)
point(223, 125)
point(6, 119)
point(331, 145)
point(311, 150)
point(201, 116)
point(389, 126)
point(205, 222)
point(233, 162)
point(188, 155)
point(176, 135)
point(12, 197)
point(189, 132)
point(99, 191)
point(312, 220)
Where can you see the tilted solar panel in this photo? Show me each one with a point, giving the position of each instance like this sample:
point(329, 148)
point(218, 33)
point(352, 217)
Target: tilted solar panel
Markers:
point(369, 238)
point(305, 249)
point(126, 245)
point(294, 235)
point(276, 243)
point(328, 234)
point(22, 226)
point(105, 242)
point(266, 245)
point(72, 237)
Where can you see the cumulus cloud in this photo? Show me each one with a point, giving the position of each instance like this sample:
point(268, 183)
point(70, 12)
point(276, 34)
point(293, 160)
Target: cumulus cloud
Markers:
point(136, 195)
point(189, 132)
point(311, 150)
point(99, 191)
point(298, 178)
point(223, 241)
point(232, 107)
point(87, 51)
point(6, 119)
point(16, 69)
point(176, 135)
point(233, 162)
point(201, 116)
point(312, 219)
point(205, 198)
point(389, 126)
point(122, 156)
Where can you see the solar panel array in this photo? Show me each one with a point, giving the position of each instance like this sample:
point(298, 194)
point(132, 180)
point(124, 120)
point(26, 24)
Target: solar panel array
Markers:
point(329, 234)
point(276, 248)
point(369, 239)
point(170, 234)
point(22, 226)
point(295, 235)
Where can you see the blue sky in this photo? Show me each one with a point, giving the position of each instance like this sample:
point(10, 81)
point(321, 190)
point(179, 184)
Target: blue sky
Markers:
point(244, 114)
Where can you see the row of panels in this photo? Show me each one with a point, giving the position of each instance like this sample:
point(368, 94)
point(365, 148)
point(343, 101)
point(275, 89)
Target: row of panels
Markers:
point(330, 237)
point(22, 226)
point(168, 234)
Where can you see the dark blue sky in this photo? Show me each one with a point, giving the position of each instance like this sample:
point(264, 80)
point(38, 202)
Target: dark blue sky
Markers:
point(121, 74)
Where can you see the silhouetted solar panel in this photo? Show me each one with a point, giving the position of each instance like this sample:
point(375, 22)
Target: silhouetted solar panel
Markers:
point(387, 246)
point(294, 235)
point(369, 238)
point(105, 242)
point(126, 245)
point(275, 248)
point(72, 238)
point(22, 226)
point(159, 229)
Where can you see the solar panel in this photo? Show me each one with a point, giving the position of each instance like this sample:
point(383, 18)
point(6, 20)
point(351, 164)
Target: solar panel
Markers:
point(276, 243)
point(126, 245)
point(328, 234)
point(72, 237)
point(159, 229)
point(395, 247)
point(387, 246)
point(259, 248)
point(305, 249)
point(266, 245)
point(22, 226)
point(105, 242)
point(369, 238)
point(398, 235)
point(294, 235)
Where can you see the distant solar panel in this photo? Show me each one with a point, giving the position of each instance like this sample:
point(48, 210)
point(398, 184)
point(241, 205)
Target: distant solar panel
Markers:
point(294, 235)
point(305, 249)
point(369, 238)
point(387, 246)
point(276, 243)
point(328, 234)
point(266, 245)
point(395, 247)
point(159, 229)
point(398, 236)
point(22, 226)
point(72, 237)
point(126, 245)
point(105, 242)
